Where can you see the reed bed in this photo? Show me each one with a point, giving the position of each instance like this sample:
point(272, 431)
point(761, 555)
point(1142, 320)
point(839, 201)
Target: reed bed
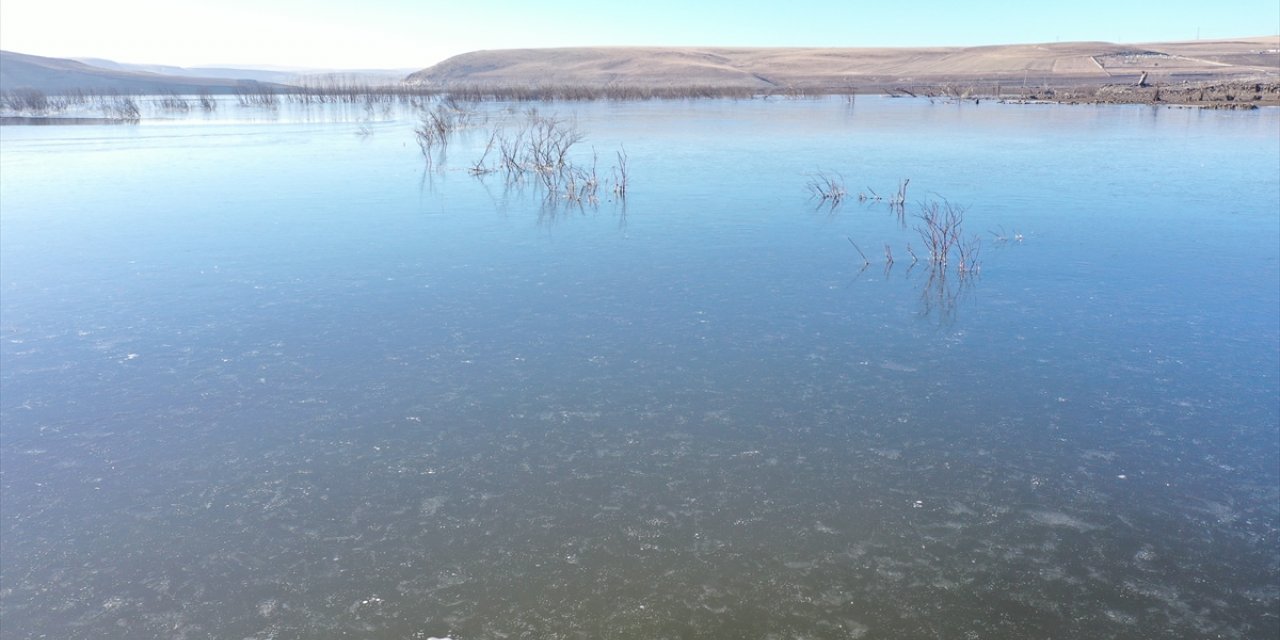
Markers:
point(36, 103)
point(30, 102)
point(355, 93)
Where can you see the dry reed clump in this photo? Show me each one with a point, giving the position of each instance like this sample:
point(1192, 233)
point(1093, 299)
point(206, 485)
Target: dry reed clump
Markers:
point(437, 123)
point(540, 150)
point(121, 108)
point(828, 188)
point(536, 150)
point(1002, 237)
point(257, 95)
point(941, 230)
point(620, 175)
point(950, 255)
point(29, 101)
point(940, 227)
point(897, 200)
point(173, 103)
point(434, 128)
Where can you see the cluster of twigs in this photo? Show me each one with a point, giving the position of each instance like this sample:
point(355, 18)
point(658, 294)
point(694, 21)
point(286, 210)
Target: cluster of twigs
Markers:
point(941, 231)
point(940, 224)
point(540, 149)
point(434, 128)
point(899, 199)
point(1003, 237)
point(438, 122)
point(620, 175)
point(537, 149)
point(828, 189)
point(173, 103)
point(260, 96)
point(122, 108)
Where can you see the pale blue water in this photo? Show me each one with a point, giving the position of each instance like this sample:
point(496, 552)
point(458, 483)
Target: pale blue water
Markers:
point(265, 377)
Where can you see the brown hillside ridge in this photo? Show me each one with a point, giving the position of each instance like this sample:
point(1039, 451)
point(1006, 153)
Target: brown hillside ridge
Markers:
point(1234, 71)
point(20, 71)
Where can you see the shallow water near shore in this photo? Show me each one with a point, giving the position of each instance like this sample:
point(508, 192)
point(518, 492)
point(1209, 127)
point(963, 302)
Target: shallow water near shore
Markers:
point(266, 375)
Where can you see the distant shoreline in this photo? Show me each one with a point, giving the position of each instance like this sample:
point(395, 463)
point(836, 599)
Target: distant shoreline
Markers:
point(30, 107)
point(1223, 73)
point(1234, 94)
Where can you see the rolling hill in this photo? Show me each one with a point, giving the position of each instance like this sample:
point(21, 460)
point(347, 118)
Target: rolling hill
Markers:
point(1060, 64)
point(57, 75)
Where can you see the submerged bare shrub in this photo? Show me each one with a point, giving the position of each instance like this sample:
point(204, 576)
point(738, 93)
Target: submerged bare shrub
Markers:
point(428, 135)
point(941, 230)
point(581, 184)
point(174, 103)
point(543, 148)
point(27, 100)
point(620, 175)
point(438, 123)
point(122, 108)
point(549, 143)
point(900, 199)
point(479, 168)
point(827, 188)
point(865, 260)
point(256, 95)
point(967, 250)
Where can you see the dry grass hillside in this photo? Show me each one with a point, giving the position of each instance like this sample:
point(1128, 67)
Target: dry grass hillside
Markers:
point(20, 71)
point(1058, 64)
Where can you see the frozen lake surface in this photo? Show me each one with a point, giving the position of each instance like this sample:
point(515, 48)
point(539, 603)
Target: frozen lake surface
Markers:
point(268, 375)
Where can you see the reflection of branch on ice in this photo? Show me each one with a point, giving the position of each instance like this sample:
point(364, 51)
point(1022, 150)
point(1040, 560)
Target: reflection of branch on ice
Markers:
point(940, 297)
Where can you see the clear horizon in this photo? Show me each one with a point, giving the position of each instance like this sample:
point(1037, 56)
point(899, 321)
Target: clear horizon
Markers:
point(396, 34)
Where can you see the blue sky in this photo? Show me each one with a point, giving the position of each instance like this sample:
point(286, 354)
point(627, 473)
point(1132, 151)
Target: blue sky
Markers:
point(412, 34)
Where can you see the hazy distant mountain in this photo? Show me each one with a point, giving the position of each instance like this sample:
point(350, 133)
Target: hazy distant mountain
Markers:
point(54, 75)
point(773, 68)
point(265, 74)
